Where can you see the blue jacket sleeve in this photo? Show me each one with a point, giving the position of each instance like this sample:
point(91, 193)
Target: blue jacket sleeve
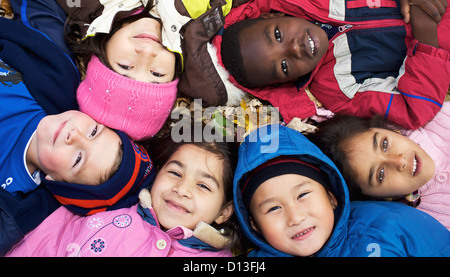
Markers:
point(394, 229)
point(44, 16)
point(18, 216)
point(48, 72)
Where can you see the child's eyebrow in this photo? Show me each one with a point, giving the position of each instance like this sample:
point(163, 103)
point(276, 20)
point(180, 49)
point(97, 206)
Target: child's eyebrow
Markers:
point(295, 188)
point(274, 71)
point(87, 155)
point(375, 147)
point(375, 141)
point(267, 35)
point(209, 176)
point(180, 164)
point(266, 201)
point(202, 173)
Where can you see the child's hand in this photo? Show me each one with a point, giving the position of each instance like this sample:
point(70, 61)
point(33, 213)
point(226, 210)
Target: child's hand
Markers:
point(424, 28)
point(434, 8)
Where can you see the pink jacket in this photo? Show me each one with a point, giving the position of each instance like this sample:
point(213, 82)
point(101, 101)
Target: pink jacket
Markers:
point(434, 138)
point(373, 65)
point(128, 232)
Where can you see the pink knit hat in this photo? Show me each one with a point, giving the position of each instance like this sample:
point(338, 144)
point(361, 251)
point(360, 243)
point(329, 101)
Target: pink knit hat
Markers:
point(137, 108)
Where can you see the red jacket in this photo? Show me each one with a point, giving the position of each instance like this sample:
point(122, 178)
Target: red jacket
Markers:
point(373, 65)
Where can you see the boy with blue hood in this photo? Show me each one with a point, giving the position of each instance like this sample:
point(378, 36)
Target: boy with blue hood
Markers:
point(291, 200)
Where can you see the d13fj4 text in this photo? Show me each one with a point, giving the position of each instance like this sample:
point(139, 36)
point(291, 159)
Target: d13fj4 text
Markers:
point(237, 266)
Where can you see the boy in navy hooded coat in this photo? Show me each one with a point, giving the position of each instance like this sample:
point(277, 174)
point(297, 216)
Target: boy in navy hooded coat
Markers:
point(344, 229)
point(38, 81)
point(52, 80)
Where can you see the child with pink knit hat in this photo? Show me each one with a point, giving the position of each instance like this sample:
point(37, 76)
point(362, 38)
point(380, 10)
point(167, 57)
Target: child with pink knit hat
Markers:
point(172, 44)
point(131, 77)
point(378, 162)
point(135, 107)
point(147, 41)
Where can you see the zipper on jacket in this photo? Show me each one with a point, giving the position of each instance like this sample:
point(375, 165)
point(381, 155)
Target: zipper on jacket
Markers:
point(344, 28)
point(383, 23)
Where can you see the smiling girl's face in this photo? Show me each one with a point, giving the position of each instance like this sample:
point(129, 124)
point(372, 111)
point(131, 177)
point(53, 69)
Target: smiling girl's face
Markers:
point(388, 164)
point(189, 188)
point(136, 52)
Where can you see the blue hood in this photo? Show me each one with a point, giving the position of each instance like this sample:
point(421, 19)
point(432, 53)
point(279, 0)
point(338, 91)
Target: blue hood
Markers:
point(269, 142)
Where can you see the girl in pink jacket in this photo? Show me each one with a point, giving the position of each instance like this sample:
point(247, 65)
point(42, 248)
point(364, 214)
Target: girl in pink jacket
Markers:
point(382, 163)
point(179, 215)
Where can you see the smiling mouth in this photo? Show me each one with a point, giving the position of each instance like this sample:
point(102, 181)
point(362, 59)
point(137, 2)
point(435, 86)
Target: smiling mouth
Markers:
point(58, 131)
point(415, 166)
point(146, 36)
point(312, 46)
point(177, 207)
point(303, 235)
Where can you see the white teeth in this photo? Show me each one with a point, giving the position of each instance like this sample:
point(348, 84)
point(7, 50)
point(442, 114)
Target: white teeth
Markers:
point(311, 44)
point(415, 166)
point(301, 234)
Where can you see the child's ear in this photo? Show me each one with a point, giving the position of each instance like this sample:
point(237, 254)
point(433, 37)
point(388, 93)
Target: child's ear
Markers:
point(225, 214)
point(48, 177)
point(271, 15)
point(253, 224)
point(333, 200)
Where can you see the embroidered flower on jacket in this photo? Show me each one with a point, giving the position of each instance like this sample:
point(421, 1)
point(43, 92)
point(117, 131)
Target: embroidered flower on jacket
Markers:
point(97, 246)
